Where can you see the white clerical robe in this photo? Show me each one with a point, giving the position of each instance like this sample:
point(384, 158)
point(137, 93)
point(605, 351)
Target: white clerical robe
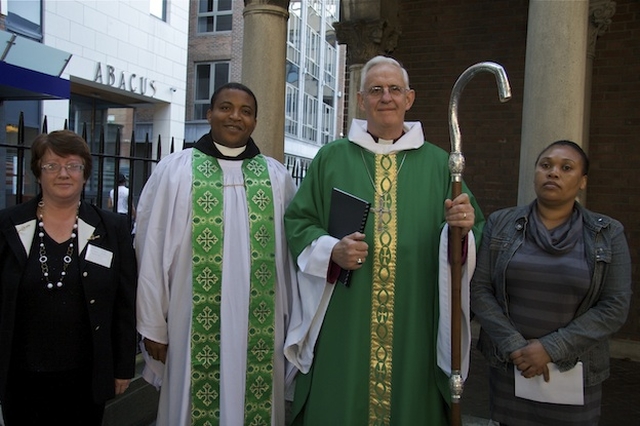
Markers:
point(164, 252)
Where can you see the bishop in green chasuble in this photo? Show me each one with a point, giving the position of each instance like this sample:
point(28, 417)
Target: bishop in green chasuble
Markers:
point(373, 359)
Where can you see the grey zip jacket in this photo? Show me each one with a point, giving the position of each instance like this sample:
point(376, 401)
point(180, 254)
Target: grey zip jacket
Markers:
point(602, 312)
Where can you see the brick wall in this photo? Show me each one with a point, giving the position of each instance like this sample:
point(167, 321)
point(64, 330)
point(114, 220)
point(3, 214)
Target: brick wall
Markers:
point(441, 38)
point(213, 47)
point(614, 146)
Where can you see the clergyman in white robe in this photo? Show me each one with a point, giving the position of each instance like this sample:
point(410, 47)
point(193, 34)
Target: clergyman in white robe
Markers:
point(164, 251)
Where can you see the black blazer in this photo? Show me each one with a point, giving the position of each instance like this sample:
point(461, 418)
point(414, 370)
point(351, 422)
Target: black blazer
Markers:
point(109, 290)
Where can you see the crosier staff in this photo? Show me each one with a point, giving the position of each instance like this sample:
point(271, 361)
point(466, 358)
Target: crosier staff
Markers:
point(456, 167)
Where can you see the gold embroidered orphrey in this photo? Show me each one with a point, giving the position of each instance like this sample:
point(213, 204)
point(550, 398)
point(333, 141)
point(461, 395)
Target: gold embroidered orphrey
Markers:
point(379, 210)
point(383, 289)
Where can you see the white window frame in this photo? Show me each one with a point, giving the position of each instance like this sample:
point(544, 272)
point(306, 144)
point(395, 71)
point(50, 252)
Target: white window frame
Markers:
point(294, 39)
point(310, 114)
point(328, 123)
point(291, 110)
point(314, 44)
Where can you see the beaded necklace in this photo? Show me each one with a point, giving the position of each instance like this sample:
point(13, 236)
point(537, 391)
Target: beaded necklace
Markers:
point(66, 260)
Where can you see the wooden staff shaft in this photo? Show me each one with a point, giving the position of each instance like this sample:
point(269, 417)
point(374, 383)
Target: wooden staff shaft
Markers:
point(456, 167)
point(455, 242)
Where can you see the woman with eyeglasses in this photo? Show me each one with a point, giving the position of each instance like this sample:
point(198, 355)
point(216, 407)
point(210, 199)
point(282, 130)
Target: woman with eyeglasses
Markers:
point(67, 295)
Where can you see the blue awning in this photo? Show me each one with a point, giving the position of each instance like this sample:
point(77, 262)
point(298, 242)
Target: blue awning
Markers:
point(17, 83)
point(30, 70)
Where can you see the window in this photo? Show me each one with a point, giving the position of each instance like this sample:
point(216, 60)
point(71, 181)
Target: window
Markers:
point(292, 73)
point(310, 114)
point(209, 77)
point(215, 16)
point(312, 72)
point(291, 110)
point(25, 18)
point(330, 68)
point(331, 10)
point(328, 114)
point(293, 39)
point(316, 5)
point(158, 8)
point(313, 53)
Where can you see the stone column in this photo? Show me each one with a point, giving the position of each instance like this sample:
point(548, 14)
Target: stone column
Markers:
point(554, 84)
point(364, 39)
point(263, 69)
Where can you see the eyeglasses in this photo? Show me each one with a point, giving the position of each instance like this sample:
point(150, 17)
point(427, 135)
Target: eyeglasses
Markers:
point(378, 91)
point(55, 167)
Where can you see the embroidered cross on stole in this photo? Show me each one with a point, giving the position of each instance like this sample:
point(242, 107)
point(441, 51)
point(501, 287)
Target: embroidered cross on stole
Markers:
point(207, 241)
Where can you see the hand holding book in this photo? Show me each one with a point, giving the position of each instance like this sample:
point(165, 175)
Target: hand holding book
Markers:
point(347, 218)
point(349, 249)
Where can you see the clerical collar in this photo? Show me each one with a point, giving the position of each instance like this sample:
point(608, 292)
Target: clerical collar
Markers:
point(229, 152)
point(385, 141)
point(209, 147)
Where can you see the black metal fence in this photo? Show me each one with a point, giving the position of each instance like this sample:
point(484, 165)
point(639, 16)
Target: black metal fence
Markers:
point(111, 158)
point(297, 167)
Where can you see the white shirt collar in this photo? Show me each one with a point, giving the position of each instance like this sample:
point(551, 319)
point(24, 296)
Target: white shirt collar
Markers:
point(413, 138)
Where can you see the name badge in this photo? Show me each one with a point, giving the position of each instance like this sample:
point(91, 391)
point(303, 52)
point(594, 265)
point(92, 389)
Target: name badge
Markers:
point(99, 256)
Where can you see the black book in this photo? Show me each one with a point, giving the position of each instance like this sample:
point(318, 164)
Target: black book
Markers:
point(347, 215)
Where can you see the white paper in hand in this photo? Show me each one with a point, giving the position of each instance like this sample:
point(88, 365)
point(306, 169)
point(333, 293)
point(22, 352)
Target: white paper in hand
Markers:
point(562, 387)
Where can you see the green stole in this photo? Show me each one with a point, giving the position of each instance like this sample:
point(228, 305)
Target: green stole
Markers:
point(207, 241)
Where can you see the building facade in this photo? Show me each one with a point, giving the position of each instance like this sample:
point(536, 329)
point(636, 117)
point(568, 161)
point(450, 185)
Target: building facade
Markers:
point(124, 63)
point(128, 62)
point(314, 73)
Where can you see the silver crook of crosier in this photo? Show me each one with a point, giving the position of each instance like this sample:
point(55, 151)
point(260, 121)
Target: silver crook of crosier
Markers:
point(456, 159)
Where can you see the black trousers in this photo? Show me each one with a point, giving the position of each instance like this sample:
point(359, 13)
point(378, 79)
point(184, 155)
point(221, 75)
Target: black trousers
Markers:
point(40, 398)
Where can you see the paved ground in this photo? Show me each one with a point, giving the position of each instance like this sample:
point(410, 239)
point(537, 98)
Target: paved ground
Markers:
point(620, 400)
point(620, 403)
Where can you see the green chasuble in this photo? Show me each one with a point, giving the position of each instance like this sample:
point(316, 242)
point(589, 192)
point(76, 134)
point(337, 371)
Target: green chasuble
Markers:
point(207, 278)
point(375, 358)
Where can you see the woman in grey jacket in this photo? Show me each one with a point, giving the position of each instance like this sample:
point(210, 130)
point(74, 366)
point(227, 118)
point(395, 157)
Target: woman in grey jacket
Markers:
point(552, 283)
